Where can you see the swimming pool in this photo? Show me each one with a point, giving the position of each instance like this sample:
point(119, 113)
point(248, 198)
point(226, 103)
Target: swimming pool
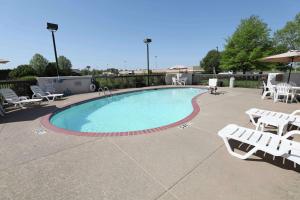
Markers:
point(129, 112)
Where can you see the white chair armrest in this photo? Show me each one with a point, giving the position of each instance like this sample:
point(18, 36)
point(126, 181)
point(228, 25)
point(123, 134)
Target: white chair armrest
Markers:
point(23, 98)
point(35, 96)
point(8, 100)
point(48, 93)
point(295, 112)
point(290, 133)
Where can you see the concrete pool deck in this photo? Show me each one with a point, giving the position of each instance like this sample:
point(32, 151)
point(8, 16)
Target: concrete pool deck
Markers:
point(190, 163)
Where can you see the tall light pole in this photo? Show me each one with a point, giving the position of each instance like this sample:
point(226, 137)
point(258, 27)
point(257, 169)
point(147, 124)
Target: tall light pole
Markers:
point(147, 41)
point(125, 62)
point(155, 61)
point(53, 28)
point(214, 68)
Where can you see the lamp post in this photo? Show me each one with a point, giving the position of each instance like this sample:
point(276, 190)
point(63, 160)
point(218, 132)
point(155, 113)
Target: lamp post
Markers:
point(214, 68)
point(155, 61)
point(53, 28)
point(147, 41)
point(125, 63)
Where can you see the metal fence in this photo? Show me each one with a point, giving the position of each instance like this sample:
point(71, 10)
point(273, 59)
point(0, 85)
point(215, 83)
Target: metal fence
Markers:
point(21, 87)
point(241, 80)
point(130, 81)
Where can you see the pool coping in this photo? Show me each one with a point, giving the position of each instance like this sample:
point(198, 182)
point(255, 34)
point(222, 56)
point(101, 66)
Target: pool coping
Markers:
point(45, 120)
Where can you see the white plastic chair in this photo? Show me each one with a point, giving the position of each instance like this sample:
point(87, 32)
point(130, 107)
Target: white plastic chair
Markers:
point(212, 85)
point(285, 90)
point(174, 81)
point(268, 90)
point(182, 80)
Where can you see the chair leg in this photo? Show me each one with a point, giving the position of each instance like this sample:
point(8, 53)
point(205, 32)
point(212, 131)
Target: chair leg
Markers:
point(252, 120)
point(245, 156)
point(265, 94)
point(275, 98)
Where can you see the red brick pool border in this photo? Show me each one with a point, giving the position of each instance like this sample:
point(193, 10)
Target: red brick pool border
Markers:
point(45, 121)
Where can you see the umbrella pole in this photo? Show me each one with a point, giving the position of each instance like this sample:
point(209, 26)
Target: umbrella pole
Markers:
point(290, 70)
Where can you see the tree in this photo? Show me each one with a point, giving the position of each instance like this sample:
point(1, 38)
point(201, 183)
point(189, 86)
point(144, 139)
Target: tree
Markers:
point(4, 74)
point(21, 71)
point(88, 69)
point(51, 69)
point(289, 35)
point(64, 65)
point(39, 63)
point(249, 42)
point(113, 70)
point(211, 62)
point(84, 72)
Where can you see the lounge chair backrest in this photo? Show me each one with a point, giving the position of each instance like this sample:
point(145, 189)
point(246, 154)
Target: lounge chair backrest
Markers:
point(9, 95)
point(49, 88)
point(212, 82)
point(37, 90)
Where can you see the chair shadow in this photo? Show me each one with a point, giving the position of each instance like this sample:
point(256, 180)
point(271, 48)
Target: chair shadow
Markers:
point(30, 113)
point(262, 157)
point(219, 93)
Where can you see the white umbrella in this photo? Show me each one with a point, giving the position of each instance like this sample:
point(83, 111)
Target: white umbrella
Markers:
point(178, 67)
point(3, 61)
point(287, 57)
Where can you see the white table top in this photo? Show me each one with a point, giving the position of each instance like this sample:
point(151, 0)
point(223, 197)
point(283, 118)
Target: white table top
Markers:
point(296, 87)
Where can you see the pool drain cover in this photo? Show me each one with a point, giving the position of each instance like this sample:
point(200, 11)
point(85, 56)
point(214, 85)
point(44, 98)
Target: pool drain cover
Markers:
point(40, 131)
point(186, 125)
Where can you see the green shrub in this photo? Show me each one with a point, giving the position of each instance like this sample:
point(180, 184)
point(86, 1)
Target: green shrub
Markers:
point(21, 71)
point(247, 83)
point(27, 78)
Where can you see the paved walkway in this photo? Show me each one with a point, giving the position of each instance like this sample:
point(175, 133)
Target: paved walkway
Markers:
point(190, 163)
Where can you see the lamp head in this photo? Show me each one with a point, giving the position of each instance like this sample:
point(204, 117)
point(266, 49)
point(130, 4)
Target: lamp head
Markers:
point(147, 40)
point(52, 27)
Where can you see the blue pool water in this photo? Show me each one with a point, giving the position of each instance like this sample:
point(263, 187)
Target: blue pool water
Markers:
point(128, 112)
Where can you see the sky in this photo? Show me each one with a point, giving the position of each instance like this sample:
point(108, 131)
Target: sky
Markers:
point(110, 33)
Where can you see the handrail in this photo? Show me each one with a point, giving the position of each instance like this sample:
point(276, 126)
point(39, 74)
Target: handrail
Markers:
point(104, 90)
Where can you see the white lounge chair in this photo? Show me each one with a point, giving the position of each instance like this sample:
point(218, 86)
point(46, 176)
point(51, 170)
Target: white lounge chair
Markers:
point(12, 98)
point(294, 118)
point(212, 85)
point(263, 141)
point(39, 93)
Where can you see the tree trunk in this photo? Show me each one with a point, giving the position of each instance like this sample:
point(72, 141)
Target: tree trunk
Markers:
point(214, 71)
